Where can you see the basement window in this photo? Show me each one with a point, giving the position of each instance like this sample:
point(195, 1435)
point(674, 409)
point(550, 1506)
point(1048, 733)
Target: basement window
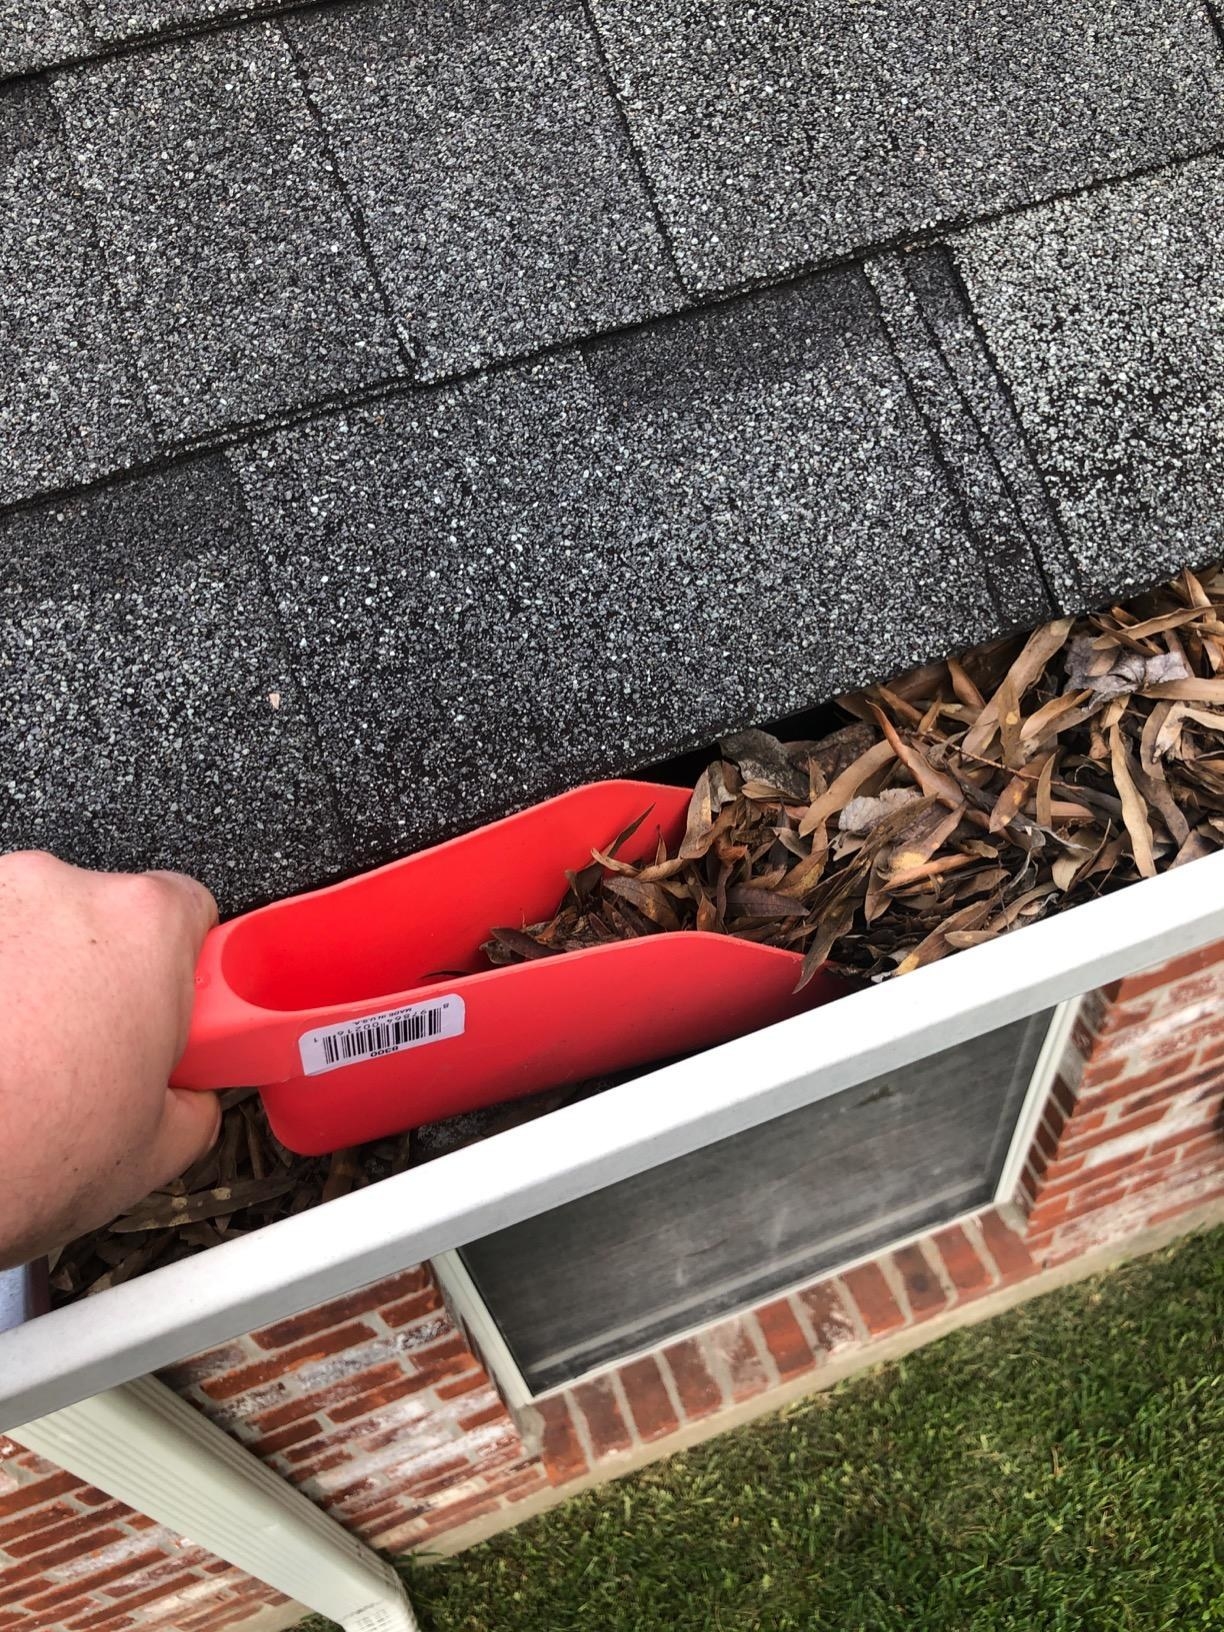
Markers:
point(639, 1262)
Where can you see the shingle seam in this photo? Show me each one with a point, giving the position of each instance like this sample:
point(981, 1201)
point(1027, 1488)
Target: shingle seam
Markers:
point(175, 450)
point(940, 231)
point(987, 441)
point(1215, 17)
point(1069, 561)
point(969, 454)
point(150, 39)
point(939, 457)
point(357, 217)
point(305, 697)
point(648, 187)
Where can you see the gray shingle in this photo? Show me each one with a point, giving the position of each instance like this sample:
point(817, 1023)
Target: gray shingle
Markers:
point(139, 652)
point(117, 20)
point(503, 202)
point(966, 410)
point(785, 133)
point(34, 33)
point(566, 570)
point(70, 406)
point(225, 231)
point(1106, 314)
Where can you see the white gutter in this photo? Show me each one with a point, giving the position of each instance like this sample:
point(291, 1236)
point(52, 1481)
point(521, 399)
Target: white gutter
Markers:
point(299, 1262)
point(144, 1445)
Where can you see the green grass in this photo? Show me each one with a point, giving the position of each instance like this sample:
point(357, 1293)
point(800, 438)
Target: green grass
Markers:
point(1059, 1467)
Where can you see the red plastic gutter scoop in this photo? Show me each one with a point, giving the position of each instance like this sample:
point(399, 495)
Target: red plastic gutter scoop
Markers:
point(367, 1008)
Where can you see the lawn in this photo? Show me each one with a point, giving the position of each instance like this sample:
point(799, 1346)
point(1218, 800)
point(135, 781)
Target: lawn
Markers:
point(1059, 1467)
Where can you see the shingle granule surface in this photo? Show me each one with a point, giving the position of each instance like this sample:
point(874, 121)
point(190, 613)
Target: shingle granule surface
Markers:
point(149, 715)
point(1106, 314)
point(225, 231)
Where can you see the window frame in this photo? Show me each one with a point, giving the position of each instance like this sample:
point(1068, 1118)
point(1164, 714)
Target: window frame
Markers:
point(471, 1309)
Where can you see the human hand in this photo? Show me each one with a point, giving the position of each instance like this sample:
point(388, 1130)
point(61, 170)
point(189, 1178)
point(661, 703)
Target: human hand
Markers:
point(96, 991)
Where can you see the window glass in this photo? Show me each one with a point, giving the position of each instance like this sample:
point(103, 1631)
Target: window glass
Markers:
point(629, 1265)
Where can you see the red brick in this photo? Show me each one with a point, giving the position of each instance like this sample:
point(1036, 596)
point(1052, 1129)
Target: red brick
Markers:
point(784, 1338)
point(699, 1393)
point(649, 1402)
point(410, 1309)
point(1190, 963)
point(475, 1378)
point(1092, 1175)
point(922, 1286)
point(91, 1497)
point(322, 1464)
point(1064, 1169)
point(1005, 1247)
point(605, 1425)
point(1186, 1202)
point(82, 1524)
point(325, 1316)
point(875, 1302)
point(162, 1589)
point(1101, 1201)
point(733, 1341)
point(25, 1579)
point(1062, 1097)
point(270, 1444)
point(94, 1582)
point(308, 1405)
point(287, 1361)
point(560, 1451)
point(480, 1419)
point(1080, 1131)
point(1207, 1149)
point(186, 1374)
point(444, 1358)
point(831, 1322)
point(376, 1398)
point(28, 1523)
point(102, 1620)
point(965, 1269)
point(141, 1521)
point(79, 1548)
point(59, 1484)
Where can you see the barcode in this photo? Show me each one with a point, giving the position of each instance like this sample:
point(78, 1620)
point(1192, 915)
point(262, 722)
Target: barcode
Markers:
point(382, 1038)
point(376, 1035)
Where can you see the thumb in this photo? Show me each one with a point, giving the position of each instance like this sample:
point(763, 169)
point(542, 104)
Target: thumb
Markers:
point(189, 1126)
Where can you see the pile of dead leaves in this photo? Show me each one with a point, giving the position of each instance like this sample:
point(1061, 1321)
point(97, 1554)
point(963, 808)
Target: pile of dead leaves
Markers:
point(247, 1180)
point(969, 798)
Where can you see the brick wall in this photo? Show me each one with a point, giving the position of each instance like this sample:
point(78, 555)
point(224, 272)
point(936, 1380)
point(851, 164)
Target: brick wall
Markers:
point(70, 1557)
point(377, 1408)
point(1134, 1131)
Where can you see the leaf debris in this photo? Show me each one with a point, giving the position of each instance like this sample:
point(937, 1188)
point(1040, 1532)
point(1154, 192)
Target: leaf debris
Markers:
point(964, 800)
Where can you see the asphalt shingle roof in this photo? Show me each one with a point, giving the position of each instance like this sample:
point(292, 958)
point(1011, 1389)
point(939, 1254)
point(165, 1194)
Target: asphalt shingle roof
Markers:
point(518, 393)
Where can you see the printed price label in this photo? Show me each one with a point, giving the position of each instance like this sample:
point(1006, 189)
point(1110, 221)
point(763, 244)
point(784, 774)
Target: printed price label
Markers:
point(353, 1041)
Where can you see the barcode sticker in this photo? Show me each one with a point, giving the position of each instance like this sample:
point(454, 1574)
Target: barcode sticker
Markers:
point(330, 1047)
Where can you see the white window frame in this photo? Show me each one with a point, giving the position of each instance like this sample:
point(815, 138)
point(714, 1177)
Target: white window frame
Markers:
point(181, 1309)
point(469, 1307)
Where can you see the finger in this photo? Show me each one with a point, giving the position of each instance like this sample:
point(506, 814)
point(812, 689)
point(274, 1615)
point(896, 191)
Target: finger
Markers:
point(189, 1127)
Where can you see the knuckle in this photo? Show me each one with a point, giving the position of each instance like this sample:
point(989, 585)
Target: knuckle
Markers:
point(29, 868)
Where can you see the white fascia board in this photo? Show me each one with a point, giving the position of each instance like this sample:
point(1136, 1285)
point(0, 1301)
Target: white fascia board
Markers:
point(292, 1265)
